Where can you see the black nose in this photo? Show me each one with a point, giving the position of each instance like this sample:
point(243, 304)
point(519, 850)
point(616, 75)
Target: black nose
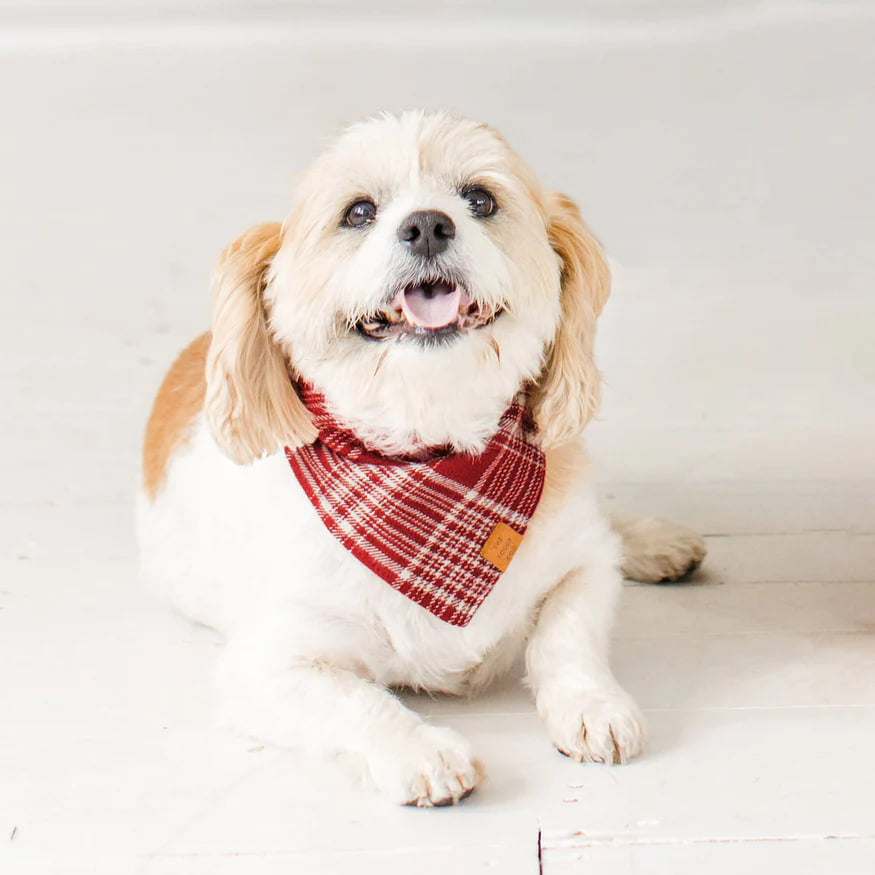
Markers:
point(427, 232)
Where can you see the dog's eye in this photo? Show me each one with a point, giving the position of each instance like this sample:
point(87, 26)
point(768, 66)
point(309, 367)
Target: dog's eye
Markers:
point(360, 213)
point(482, 203)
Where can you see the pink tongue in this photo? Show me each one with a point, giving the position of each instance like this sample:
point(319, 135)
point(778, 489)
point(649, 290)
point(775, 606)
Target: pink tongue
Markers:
point(432, 306)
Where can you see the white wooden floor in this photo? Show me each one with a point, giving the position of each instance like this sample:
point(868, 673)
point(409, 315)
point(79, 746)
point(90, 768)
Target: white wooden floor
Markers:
point(731, 176)
point(757, 678)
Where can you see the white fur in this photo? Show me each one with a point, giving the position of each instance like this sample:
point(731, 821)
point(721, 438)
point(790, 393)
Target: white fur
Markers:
point(314, 639)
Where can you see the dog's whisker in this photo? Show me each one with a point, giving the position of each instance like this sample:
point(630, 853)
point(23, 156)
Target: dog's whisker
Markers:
point(380, 361)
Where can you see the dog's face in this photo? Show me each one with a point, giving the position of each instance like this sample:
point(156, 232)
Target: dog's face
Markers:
point(421, 279)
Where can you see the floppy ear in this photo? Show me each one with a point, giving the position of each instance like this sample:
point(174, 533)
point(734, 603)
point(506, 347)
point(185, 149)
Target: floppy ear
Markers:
point(568, 390)
point(251, 406)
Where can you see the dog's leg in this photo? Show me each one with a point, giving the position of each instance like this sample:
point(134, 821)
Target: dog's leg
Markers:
point(334, 711)
point(656, 549)
point(588, 715)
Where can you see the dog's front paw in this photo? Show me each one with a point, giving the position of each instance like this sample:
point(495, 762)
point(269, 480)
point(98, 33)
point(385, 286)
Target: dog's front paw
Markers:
point(594, 726)
point(428, 767)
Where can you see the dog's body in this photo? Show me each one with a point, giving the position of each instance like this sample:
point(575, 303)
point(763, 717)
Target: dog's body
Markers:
point(314, 638)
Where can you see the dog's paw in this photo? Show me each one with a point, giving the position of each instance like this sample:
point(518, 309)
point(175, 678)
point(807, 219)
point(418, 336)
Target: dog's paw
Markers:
point(430, 766)
point(595, 726)
point(659, 550)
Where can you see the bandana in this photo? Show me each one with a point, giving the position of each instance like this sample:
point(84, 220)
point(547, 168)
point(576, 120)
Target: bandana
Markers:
point(441, 530)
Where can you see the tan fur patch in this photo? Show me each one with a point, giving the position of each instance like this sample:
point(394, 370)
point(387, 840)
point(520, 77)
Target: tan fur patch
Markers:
point(179, 400)
point(565, 471)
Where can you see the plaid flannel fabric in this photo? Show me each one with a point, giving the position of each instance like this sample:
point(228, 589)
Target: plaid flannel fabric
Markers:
point(421, 525)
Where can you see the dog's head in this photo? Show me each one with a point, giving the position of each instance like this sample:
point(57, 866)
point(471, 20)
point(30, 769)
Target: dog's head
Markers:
point(422, 277)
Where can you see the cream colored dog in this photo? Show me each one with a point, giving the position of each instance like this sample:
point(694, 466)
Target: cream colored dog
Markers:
point(421, 279)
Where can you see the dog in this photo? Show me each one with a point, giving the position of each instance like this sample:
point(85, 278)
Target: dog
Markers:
point(426, 306)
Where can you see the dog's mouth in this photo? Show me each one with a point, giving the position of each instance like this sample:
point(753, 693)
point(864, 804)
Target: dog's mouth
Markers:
point(427, 311)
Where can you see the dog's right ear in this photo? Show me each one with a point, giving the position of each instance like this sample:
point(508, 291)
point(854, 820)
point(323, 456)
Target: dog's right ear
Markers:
point(251, 406)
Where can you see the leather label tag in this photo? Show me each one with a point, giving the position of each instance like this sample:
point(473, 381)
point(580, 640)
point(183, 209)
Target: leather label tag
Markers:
point(500, 546)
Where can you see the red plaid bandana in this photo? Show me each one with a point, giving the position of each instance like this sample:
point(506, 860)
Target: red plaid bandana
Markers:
point(440, 531)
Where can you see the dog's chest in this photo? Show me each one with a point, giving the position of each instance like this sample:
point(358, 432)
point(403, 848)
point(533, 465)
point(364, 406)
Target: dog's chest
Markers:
point(394, 639)
point(401, 643)
point(265, 553)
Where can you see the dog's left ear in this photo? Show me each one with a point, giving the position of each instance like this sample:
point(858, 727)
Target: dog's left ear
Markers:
point(568, 390)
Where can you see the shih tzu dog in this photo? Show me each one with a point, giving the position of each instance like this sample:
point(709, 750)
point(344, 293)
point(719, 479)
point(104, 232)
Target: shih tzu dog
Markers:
point(369, 473)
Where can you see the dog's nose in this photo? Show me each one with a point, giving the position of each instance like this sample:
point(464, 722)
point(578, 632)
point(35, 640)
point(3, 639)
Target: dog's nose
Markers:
point(427, 232)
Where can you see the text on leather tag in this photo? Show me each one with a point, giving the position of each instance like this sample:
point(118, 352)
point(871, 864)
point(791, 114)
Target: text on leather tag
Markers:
point(500, 546)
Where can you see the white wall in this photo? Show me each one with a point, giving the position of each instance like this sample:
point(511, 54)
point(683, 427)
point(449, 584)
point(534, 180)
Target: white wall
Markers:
point(98, 13)
point(204, 9)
